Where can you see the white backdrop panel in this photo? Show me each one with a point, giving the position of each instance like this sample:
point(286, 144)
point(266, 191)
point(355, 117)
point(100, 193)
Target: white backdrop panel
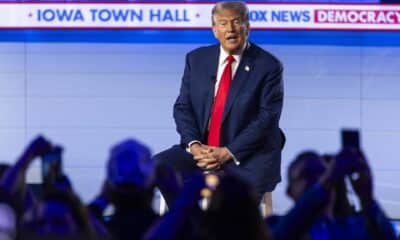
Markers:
point(89, 96)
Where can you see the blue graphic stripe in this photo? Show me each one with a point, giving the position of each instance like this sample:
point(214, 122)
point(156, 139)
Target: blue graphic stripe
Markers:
point(191, 1)
point(344, 38)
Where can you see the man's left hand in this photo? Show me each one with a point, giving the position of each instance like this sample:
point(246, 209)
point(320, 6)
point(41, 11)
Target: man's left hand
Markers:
point(222, 154)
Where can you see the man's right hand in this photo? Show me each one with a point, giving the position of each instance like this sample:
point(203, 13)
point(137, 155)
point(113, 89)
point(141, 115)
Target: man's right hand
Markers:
point(202, 154)
point(196, 149)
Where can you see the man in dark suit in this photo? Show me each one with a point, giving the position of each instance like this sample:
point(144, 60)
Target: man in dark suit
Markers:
point(228, 109)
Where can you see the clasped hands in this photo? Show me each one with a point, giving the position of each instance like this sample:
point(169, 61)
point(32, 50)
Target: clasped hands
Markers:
point(209, 157)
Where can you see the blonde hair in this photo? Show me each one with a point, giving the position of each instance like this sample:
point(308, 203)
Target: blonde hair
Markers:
point(237, 7)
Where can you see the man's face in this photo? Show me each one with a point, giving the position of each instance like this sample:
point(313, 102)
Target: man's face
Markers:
point(230, 30)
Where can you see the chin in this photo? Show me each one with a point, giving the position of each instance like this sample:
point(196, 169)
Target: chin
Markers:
point(229, 47)
point(234, 50)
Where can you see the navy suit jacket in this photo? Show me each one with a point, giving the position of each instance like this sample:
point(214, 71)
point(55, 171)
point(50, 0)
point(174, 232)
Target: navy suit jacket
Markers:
point(250, 125)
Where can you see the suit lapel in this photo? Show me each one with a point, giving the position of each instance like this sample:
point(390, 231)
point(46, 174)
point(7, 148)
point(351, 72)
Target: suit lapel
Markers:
point(212, 66)
point(241, 75)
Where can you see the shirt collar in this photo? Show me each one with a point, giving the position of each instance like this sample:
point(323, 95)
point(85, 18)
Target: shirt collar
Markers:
point(223, 54)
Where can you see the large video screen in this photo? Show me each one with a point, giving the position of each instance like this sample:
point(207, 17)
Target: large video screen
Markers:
point(196, 15)
point(184, 21)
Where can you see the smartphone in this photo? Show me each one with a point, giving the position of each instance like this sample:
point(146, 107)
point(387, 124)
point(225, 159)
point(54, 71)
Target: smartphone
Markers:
point(52, 165)
point(350, 139)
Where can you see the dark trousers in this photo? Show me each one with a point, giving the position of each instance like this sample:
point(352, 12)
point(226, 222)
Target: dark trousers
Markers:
point(177, 158)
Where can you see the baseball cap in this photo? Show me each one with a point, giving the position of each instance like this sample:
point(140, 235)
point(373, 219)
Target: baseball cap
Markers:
point(130, 162)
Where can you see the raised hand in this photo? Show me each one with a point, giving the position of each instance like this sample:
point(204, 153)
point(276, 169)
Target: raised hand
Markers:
point(361, 179)
point(38, 147)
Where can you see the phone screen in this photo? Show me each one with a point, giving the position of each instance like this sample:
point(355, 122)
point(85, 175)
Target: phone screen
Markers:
point(51, 166)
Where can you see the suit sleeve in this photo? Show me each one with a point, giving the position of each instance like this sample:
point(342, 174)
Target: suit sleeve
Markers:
point(184, 115)
point(253, 136)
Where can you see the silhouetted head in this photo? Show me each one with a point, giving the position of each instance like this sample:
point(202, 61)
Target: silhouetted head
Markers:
point(55, 217)
point(233, 212)
point(303, 172)
point(130, 174)
point(60, 213)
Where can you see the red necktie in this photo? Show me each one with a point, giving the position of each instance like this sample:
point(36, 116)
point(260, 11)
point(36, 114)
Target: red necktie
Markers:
point(214, 131)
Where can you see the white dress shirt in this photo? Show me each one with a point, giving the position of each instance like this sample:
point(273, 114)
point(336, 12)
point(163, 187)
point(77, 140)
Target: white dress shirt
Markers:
point(222, 63)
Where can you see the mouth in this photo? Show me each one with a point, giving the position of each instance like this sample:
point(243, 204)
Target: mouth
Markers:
point(232, 39)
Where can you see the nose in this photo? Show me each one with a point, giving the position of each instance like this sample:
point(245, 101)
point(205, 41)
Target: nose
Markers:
point(231, 27)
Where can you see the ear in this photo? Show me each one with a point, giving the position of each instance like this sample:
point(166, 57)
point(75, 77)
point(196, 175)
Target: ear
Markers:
point(214, 29)
point(247, 29)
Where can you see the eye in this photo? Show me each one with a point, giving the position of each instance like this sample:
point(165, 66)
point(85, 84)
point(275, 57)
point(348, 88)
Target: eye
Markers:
point(236, 21)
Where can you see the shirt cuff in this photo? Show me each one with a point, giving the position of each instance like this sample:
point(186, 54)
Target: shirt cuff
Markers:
point(234, 158)
point(190, 144)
